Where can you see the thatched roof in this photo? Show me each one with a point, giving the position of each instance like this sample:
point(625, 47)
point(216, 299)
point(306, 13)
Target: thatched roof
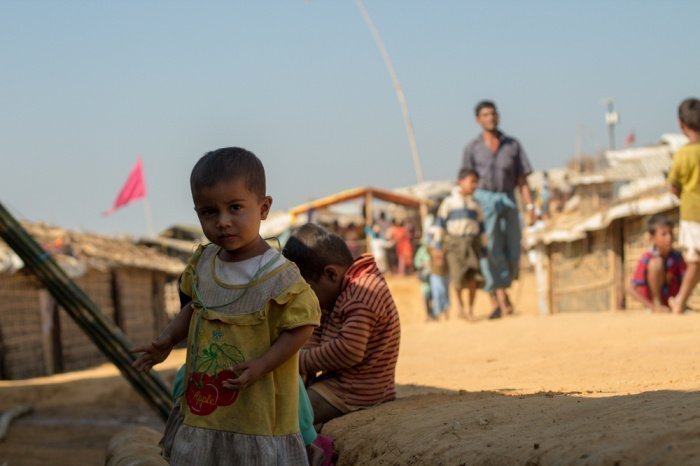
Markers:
point(574, 226)
point(77, 252)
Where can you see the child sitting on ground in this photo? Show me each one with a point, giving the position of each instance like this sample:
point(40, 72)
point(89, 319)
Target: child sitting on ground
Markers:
point(684, 179)
point(250, 313)
point(350, 360)
point(660, 270)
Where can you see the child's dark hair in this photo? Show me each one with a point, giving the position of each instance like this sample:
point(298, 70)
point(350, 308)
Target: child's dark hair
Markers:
point(656, 221)
point(689, 113)
point(465, 172)
point(225, 164)
point(482, 105)
point(311, 247)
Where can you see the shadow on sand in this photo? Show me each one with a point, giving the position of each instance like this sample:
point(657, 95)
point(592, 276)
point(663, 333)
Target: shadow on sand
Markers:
point(431, 426)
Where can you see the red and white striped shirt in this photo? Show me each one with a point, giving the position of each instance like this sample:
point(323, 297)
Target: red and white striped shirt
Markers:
point(357, 344)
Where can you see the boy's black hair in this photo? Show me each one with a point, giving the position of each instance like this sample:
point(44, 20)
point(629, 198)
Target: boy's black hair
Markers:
point(465, 172)
point(227, 163)
point(656, 221)
point(482, 105)
point(311, 247)
point(689, 113)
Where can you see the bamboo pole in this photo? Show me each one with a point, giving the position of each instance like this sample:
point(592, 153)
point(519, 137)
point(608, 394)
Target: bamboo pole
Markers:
point(104, 334)
point(408, 123)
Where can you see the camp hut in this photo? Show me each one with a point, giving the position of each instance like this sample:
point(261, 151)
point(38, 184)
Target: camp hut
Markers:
point(133, 285)
point(593, 250)
point(591, 259)
point(583, 264)
point(401, 206)
point(178, 241)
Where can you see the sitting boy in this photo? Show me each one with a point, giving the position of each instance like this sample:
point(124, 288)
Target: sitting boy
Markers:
point(350, 360)
point(660, 270)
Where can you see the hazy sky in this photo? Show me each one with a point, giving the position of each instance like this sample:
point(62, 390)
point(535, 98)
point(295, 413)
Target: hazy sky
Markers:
point(86, 87)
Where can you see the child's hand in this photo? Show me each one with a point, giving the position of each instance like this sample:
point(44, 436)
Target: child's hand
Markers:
point(248, 372)
point(153, 354)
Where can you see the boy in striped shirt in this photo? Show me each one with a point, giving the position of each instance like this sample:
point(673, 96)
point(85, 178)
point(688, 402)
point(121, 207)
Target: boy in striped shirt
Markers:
point(350, 360)
point(460, 233)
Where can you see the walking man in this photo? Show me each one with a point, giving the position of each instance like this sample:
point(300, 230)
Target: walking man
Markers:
point(503, 167)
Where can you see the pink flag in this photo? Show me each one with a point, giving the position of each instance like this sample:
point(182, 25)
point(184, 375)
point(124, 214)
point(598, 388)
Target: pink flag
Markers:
point(134, 188)
point(630, 139)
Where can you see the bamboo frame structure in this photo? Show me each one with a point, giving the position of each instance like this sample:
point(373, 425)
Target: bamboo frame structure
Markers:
point(103, 333)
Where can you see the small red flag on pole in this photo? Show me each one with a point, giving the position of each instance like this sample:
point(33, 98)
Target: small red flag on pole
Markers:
point(133, 189)
point(630, 139)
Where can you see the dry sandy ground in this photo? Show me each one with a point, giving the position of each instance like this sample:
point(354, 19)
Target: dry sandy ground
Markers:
point(588, 388)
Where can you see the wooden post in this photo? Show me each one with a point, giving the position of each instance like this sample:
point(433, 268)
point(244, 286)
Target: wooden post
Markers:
point(553, 302)
point(618, 263)
point(116, 302)
point(51, 335)
point(369, 218)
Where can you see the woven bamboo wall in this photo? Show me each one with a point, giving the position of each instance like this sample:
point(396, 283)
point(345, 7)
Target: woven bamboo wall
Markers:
point(21, 340)
point(582, 278)
point(137, 312)
point(637, 242)
point(147, 301)
point(78, 350)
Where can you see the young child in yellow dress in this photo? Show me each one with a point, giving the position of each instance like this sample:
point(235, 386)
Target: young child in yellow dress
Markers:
point(250, 313)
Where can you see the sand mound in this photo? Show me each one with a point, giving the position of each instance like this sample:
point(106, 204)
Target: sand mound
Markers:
point(544, 428)
point(135, 446)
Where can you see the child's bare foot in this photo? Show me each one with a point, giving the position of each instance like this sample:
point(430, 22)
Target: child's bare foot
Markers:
point(675, 305)
point(660, 308)
point(461, 314)
point(470, 315)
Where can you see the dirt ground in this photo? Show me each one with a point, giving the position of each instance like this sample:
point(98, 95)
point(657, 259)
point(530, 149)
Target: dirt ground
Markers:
point(586, 388)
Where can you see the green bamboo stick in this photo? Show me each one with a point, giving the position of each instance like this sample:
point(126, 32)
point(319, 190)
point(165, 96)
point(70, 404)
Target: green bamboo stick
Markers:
point(87, 323)
point(106, 336)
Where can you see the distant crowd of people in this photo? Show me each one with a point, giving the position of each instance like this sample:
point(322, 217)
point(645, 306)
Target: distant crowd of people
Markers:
point(473, 240)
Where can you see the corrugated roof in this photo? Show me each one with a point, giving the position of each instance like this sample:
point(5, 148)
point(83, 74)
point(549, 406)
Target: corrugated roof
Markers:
point(630, 164)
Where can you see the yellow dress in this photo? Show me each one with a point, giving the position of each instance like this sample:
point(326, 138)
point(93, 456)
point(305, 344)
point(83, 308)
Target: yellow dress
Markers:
point(232, 324)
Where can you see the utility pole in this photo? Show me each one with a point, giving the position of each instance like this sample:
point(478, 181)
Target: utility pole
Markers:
point(611, 119)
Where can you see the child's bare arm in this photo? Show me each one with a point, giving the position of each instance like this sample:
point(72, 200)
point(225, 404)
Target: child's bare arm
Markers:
point(675, 189)
point(286, 345)
point(159, 349)
point(632, 290)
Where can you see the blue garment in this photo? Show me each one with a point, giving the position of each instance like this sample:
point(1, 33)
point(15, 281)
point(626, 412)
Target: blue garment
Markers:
point(502, 225)
point(306, 415)
point(440, 293)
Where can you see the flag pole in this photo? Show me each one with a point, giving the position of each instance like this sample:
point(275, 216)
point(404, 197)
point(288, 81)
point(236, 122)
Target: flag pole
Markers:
point(149, 217)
